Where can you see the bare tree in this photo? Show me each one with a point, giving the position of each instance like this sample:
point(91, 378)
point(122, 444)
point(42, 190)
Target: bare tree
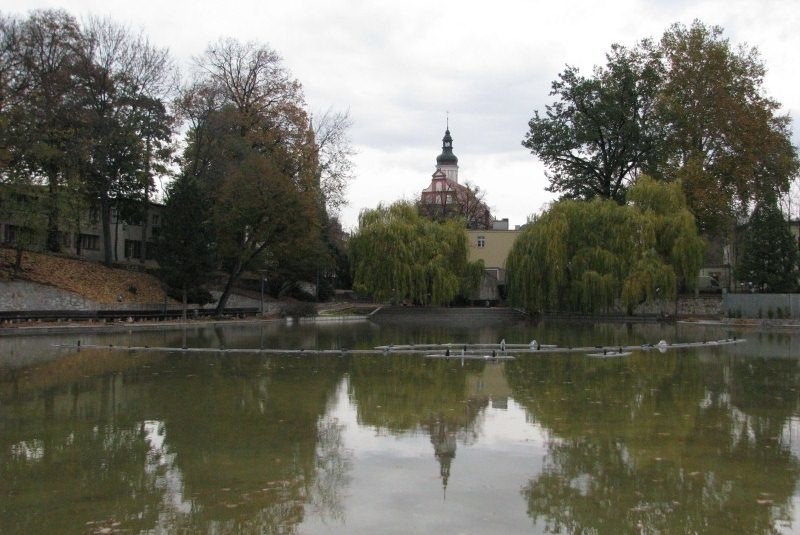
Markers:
point(249, 76)
point(472, 205)
point(457, 201)
point(334, 156)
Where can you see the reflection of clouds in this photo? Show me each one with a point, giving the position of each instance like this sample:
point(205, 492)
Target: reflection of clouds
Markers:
point(28, 450)
point(367, 439)
point(160, 464)
point(395, 476)
point(790, 436)
point(509, 426)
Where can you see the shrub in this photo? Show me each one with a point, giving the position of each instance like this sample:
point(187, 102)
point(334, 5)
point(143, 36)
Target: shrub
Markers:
point(299, 309)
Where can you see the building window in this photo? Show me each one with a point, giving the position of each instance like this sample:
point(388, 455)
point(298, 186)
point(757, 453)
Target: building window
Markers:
point(155, 220)
point(481, 242)
point(10, 234)
point(94, 215)
point(89, 242)
point(64, 239)
point(133, 249)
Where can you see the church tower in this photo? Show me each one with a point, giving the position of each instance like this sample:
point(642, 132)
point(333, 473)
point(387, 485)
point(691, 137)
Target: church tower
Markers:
point(447, 162)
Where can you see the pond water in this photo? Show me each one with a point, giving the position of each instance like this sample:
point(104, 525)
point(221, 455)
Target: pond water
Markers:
point(703, 440)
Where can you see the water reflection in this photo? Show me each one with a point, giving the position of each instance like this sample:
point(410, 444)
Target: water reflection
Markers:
point(697, 441)
point(661, 444)
point(400, 394)
point(218, 443)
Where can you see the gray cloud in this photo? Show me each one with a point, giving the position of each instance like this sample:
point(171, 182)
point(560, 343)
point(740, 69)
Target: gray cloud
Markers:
point(399, 67)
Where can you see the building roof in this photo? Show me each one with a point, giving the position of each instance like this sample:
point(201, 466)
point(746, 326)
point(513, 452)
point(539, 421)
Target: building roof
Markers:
point(451, 185)
point(447, 157)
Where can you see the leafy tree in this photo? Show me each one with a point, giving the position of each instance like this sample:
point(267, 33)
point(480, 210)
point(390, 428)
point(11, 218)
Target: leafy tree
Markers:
point(40, 110)
point(120, 72)
point(82, 110)
point(338, 244)
point(397, 254)
point(601, 131)
point(155, 126)
point(690, 107)
point(252, 151)
point(583, 256)
point(727, 140)
point(184, 247)
point(25, 211)
point(769, 257)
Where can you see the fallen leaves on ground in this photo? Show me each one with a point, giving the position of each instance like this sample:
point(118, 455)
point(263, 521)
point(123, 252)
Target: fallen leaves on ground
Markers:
point(88, 279)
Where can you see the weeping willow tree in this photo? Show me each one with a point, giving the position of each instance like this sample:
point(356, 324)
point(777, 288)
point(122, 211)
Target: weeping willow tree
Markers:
point(398, 255)
point(585, 256)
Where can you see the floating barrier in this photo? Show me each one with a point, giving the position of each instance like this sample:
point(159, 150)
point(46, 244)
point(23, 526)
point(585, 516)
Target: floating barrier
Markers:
point(468, 356)
point(609, 354)
point(442, 351)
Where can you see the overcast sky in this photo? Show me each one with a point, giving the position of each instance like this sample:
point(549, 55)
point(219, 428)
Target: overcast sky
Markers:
point(398, 67)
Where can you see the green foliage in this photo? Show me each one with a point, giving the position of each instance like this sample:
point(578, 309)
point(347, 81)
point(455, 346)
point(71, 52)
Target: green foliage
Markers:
point(398, 255)
point(600, 131)
point(298, 309)
point(689, 107)
point(183, 250)
point(582, 256)
point(727, 141)
point(83, 112)
point(769, 256)
point(24, 210)
point(252, 151)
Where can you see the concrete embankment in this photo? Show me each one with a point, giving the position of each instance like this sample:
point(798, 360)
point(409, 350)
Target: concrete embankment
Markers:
point(430, 315)
point(23, 295)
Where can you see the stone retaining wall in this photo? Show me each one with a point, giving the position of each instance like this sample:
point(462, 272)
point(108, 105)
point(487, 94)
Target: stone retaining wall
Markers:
point(477, 316)
point(24, 295)
point(21, 295)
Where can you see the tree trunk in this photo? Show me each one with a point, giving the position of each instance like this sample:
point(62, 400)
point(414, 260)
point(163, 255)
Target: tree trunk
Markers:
point(105, 218)
point(223, 299)
point(53, 243)
point(78, 235)
point(146, 219)
point(116, 239)
point(185, 298)
point(143, 257)
point(17, 263)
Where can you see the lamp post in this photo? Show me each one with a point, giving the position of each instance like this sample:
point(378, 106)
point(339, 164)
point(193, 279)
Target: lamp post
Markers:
point(262, 273)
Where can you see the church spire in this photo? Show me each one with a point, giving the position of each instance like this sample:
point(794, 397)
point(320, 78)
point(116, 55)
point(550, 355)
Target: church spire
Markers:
point(447, 157)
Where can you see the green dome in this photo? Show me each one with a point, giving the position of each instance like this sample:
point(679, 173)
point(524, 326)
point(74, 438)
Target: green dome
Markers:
point(447, 157)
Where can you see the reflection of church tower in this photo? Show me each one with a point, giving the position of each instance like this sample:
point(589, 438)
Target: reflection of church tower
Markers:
point(444, 447)
point(447, 162)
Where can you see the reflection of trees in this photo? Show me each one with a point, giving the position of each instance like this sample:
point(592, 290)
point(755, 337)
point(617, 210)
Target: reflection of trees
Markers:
point(657, 444)
point(71, 454)
point(402, 393)
point(200, 443)
point(251, 442)
point(332, 471)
